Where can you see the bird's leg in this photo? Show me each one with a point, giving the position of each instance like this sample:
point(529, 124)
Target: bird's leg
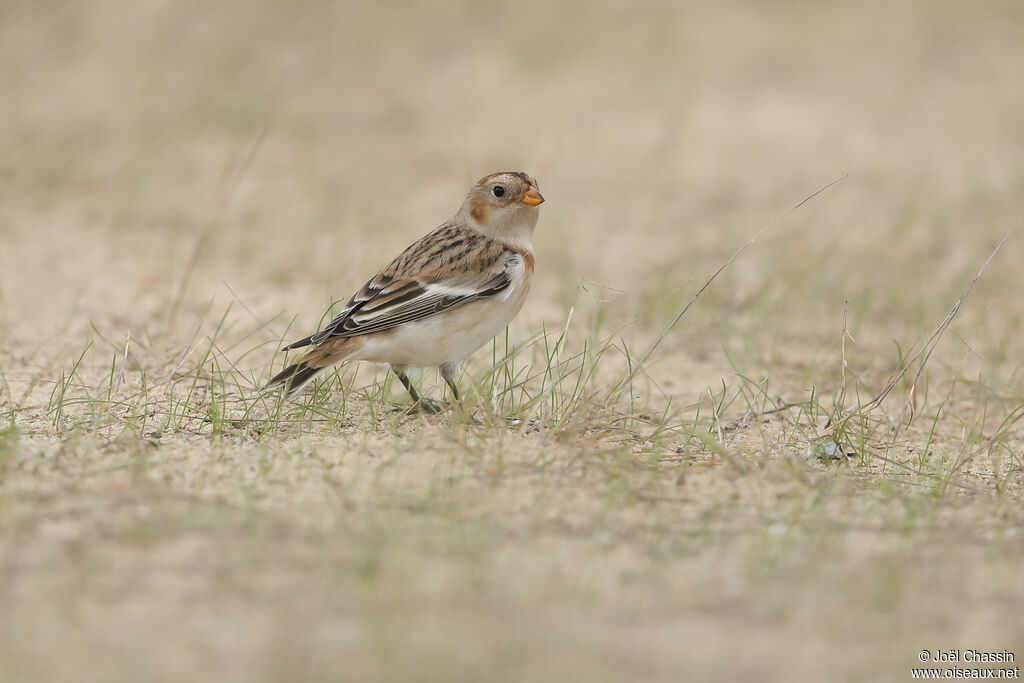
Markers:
point(422, 403)
point(449, 371)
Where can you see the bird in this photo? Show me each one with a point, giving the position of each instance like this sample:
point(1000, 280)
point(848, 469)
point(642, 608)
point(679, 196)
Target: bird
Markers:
point(441, 299)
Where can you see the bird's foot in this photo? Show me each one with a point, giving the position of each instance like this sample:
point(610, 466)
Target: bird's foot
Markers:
point(426, 405)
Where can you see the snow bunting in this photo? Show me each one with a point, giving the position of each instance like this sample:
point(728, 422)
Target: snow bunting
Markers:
point(443, 298)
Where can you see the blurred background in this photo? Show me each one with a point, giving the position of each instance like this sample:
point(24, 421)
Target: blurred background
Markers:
point(291, 150)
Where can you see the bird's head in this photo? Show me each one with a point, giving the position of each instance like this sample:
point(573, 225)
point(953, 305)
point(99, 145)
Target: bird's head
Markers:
point(504, 206)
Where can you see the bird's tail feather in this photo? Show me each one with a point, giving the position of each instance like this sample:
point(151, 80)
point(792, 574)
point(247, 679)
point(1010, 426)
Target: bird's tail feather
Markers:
point(293, 377)
point(297, 375)
point(305, 341)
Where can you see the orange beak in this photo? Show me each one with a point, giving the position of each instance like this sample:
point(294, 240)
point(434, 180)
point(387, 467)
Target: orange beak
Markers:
point(532, 197)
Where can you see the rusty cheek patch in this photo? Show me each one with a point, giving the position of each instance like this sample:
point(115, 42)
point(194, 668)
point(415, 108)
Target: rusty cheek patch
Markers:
point(479, 210)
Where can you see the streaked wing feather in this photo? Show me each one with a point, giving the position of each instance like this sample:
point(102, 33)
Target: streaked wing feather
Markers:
point(383, 302)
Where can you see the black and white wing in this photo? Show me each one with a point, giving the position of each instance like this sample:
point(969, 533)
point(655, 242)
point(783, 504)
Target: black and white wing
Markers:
point(386, 301)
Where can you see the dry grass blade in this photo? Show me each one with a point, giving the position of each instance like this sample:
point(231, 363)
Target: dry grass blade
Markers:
point(924, 353)
point(190, 347)
point(215, 222)
point(124, 362)
point(657, 342)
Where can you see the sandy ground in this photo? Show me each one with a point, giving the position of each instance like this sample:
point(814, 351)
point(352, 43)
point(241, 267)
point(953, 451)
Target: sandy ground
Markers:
point(201, 181)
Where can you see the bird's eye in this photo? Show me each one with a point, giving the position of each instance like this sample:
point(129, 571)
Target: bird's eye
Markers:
point(498, 191)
